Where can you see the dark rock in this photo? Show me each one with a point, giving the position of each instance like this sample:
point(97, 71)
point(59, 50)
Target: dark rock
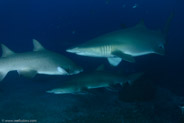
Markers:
point(142, 90)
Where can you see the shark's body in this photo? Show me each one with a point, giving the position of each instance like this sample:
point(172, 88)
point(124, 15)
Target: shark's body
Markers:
point(83, 82)
point(123, 44)
point(39, 61)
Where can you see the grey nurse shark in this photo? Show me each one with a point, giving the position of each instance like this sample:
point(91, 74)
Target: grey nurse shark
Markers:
point(124, 44)
point(39, 61)
point(83, 82)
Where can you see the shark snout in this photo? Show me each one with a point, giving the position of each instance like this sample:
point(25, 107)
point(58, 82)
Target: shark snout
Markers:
point(60, 91)
point(50, 91)
point(78, 51)
point(76, 71)
point(73, 50)
point(160, 51)
point(54, 91)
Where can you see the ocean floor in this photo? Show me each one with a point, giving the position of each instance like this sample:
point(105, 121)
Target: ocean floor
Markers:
point(26, 100)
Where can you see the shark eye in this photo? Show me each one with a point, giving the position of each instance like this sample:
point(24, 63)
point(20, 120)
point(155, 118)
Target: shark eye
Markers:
point(68, 70)
point(161, 46)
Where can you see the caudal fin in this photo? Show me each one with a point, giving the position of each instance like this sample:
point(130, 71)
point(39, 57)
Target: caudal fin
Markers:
point(2, 75)
point(133, 77)
point(168, 23)
point(181, 109)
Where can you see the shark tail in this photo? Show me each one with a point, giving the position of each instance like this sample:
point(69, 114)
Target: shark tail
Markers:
point(2, 75)
point(168, 23)
point(133, 77)
point(182, 109)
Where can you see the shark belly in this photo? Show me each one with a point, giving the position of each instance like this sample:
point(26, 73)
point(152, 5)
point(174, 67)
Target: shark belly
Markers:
point(135, 50)
point(137, 53)
point(97, 84)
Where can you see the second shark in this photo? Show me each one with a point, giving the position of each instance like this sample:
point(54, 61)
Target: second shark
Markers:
point(82, 83)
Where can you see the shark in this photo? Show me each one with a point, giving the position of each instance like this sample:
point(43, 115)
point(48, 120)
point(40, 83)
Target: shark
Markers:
point(125, 44)
point(82, 83)
point(38, 61)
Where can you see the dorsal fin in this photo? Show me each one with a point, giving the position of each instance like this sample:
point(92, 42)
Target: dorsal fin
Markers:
point(100, 68)
point(141, 24)
point(37, 46)
point(123, 26)
point(159, 32)
point(6, 51)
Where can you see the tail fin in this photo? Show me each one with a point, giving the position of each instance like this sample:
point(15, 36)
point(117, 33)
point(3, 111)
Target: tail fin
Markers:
point(133, 77)
point(182, 109)
point(168, 23)
point(2, 75)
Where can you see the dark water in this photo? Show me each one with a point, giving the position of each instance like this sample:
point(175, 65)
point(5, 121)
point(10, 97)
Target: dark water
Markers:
point(60, 24)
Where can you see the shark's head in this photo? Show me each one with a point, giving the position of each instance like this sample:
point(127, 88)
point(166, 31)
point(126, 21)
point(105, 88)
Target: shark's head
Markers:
point(57, 69)
point(157, 41)
point(85, 51)
point(67, 69)
point(60, 91)
point(60, 65)
point(159, 48)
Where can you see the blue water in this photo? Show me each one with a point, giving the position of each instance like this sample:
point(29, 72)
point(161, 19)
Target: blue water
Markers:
point(60, 24)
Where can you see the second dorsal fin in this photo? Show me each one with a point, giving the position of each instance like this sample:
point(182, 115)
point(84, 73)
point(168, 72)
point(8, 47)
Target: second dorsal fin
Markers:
point(141, 24)
point(100, 68)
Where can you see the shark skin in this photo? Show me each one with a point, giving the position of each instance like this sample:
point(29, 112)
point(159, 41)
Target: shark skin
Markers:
point(123, 44)
point(81, 83)
point(39, 61)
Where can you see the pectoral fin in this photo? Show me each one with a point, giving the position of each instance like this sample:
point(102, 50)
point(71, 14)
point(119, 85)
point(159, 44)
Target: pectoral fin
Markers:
point(84, 91)
point(111, 89)
point(100, 68)
point(133, 77)
point(27, 73)
point(81, 93)
point(2, 75)
point(114, 61)
point(124, 56)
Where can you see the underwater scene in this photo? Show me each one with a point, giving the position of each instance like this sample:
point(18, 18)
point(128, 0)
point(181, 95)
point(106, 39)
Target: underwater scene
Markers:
point(92, 61)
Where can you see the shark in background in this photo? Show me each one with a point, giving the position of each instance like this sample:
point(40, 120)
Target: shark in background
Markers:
point(83, 82)
point(125, 44)
point(40, 60)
